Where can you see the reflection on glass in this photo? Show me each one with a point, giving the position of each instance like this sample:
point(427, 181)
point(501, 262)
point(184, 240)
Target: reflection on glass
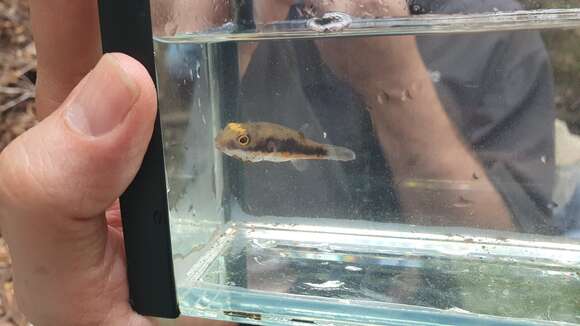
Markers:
point(320, 178)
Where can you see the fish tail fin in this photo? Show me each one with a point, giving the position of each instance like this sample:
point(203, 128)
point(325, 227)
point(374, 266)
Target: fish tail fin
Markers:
point(339, 153)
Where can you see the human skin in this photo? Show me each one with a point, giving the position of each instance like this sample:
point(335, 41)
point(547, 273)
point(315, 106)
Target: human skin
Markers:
point(413, 129)
point(59, 181)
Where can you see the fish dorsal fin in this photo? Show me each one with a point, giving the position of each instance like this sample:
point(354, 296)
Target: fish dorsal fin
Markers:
point(302, 130)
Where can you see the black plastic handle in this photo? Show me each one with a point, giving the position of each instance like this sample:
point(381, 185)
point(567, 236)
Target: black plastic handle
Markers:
point(126, 28)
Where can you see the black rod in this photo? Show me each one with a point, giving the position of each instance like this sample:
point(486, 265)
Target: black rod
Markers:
point(126, 28)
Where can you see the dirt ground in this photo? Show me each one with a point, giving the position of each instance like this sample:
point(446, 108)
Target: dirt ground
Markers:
point(17, 73)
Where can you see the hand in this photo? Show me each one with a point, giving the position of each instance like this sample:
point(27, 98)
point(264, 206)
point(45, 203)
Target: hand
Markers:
point(58, 179)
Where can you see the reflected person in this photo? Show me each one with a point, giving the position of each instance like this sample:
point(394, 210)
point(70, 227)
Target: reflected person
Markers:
point(449, 130)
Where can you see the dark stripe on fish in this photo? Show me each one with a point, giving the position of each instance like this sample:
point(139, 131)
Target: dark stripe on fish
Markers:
point(289, 145)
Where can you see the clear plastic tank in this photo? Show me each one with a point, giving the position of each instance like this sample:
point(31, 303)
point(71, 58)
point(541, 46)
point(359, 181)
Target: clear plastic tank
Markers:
point(373, 162)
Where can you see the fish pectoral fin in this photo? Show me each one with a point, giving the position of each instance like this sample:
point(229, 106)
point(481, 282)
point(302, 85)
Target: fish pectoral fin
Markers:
point(300, 165)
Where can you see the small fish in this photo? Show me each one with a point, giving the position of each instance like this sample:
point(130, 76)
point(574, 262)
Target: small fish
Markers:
point(264, 141)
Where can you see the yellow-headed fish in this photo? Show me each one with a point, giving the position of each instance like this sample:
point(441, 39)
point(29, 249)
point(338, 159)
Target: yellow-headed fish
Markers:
point(264, 141)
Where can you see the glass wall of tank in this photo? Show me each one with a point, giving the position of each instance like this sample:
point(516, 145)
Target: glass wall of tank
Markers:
point(372, 161)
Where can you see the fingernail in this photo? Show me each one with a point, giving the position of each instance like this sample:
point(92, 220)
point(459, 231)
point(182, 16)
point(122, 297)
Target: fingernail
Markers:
point(105, 97)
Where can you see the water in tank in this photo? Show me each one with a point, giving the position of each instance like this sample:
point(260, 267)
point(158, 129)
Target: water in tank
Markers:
point(377, 162)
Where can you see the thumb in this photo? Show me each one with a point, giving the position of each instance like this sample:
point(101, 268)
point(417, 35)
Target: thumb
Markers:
point(79, 159)
point(57, 179)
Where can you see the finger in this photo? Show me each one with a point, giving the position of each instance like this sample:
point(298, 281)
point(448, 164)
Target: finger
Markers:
point(57, 180)
point(67, 38)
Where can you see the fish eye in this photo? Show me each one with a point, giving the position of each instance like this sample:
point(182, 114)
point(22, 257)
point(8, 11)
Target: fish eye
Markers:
point(244, 140)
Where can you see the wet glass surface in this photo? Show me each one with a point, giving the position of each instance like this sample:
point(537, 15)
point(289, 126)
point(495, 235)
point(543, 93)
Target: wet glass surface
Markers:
point(421, 158)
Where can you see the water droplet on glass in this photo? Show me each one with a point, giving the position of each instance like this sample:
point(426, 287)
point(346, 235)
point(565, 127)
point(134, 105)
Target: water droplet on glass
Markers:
point(435, 76)
point(197, 69)
point(264, 244)
point(325, 248)
point(326, 285)
point(463, 202)
point(330, 22)
point(353, 268)
point(417, 9)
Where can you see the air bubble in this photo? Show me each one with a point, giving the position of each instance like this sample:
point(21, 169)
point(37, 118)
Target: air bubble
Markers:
point(197, 69)
point(353, 268)
point(435, 76)
point(264, 244)
point(330, 22)
point(417, 9)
